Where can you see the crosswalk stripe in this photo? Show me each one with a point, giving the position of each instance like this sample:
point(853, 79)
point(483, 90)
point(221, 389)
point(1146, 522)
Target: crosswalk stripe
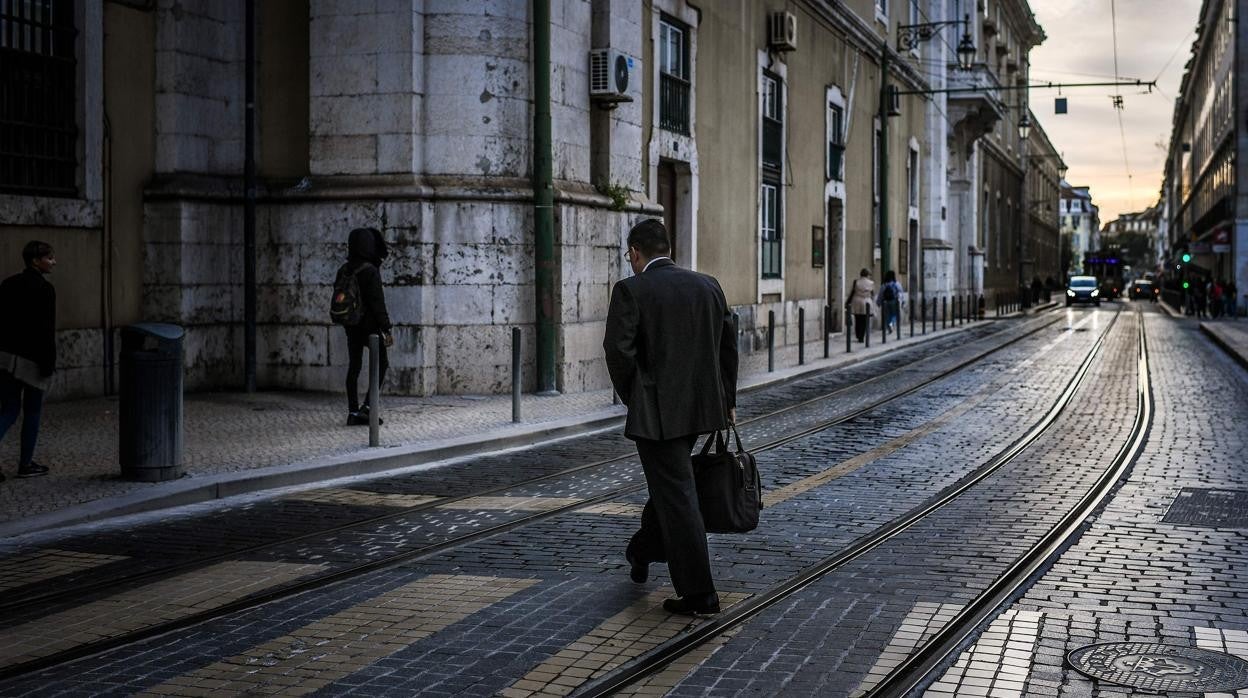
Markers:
point(141, 607)
point(341, 644)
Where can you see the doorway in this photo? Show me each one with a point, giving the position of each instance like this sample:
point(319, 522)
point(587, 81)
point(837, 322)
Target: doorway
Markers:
point(667, 199)
point(835, 257)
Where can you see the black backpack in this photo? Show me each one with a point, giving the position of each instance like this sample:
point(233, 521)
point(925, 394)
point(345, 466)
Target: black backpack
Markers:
point(890, 292)
point(347, 307)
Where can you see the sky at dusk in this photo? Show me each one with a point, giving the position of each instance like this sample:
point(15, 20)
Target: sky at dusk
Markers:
point(1079, 48)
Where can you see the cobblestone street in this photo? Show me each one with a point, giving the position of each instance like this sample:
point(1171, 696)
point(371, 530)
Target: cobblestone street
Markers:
point(899, 492)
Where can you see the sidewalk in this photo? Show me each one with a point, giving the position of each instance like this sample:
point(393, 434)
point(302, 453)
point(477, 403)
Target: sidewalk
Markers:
point(237, 443)
point(1230, 334)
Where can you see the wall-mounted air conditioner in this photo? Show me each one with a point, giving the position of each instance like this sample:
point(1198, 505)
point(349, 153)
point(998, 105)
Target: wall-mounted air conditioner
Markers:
point(782, 31)
point(610, 73)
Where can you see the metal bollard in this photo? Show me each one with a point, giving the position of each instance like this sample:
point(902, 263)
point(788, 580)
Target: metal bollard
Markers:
point(374, 401)
point(801, 336)
point(516, 377)
point(771, 341)
point(923, 315)
point(911, 318)
point(884, 323)
point(944, 311)
point(849, 325)
point(827, 317)
point(866, 331)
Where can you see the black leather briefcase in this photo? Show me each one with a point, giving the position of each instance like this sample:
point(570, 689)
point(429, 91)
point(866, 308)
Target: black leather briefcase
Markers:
point(730, 491)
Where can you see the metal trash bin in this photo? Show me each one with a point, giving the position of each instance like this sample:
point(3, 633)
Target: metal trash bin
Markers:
point(150, 402)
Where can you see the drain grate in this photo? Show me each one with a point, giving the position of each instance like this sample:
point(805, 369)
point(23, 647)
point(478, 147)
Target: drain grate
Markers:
point(1161, 668)
point(1211, 508)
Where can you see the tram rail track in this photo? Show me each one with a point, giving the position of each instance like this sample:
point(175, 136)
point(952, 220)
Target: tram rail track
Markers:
point(918, 668)
point(334, 576)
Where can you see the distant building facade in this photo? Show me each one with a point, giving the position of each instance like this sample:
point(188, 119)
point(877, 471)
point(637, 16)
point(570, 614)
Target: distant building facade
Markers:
point(1081, 220)
point(1203, 192)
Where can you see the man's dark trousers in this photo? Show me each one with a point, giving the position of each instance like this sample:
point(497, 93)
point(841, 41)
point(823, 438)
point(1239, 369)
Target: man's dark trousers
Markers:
point(671, 520)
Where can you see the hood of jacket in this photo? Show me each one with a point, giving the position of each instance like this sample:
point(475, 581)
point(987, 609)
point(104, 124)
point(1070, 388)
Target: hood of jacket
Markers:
point(367, 244)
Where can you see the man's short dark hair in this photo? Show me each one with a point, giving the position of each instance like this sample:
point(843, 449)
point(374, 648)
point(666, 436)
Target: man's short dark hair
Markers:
point(650, 238)
point(35, 249)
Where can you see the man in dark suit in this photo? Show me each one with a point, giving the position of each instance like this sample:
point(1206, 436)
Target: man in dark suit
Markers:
point(672, 354)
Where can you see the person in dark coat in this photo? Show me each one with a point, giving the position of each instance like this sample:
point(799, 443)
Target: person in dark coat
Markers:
point(366, 249)
point(27, 349)
point(672, 355)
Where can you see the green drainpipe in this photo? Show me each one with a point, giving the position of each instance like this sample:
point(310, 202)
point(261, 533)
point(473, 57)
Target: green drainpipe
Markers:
point(544, 199)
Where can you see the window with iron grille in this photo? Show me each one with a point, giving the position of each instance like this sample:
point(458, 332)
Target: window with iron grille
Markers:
point(772, 233)
point(673, 76)
point(38, 83)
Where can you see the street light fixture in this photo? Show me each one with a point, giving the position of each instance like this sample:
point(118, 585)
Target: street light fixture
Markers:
point(909, 36)
point(1024, 127)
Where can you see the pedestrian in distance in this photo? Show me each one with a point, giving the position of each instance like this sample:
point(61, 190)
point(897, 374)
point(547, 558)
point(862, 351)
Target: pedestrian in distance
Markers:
point(27, 349)
point(1231, 308)
point(890, 301)
point(359, 305)
point(672, 355)
point(1202, 299)
point(1215, 298)
point(860, 295)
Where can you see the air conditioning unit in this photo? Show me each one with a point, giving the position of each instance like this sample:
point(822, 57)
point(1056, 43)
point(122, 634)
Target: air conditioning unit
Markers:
point(893, 100)
point(782, 31)
point(610, 73)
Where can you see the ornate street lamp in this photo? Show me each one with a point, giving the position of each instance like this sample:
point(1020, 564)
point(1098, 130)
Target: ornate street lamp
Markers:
point(909, 36)
point(1024, 127)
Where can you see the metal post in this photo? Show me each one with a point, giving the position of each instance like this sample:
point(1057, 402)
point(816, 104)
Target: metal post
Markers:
point(849, 325)
point(736, 329)
point(867, 330)
point(882, 166)
point(515, 374)
point(944, 311)
point(374, 398)
point(923, 315)
point(827, 315)
point(249, 197)
point(911, 318)
point(801, 336)
point(771, 341)
point(543, 200)
point(884, 323)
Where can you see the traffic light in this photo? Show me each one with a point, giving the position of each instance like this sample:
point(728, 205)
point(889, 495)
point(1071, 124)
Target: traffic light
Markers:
point(1186, 258)
point(1185, 285)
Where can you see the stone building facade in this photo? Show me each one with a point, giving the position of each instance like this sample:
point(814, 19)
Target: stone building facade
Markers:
point(753, 128)
point(1203, 195)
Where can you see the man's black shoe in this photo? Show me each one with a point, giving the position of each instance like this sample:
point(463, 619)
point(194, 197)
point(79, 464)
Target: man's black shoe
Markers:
point(700, 605)
point(356, 419)
point(637, 571)
point(32, 470)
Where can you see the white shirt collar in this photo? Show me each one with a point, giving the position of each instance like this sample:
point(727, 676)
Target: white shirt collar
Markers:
point(643, 269)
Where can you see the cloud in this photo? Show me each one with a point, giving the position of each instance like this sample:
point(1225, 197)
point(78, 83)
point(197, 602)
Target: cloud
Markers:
point(1080, 41)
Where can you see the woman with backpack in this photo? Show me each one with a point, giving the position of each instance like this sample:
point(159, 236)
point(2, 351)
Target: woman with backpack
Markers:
point(890, 302)
point(359, 305)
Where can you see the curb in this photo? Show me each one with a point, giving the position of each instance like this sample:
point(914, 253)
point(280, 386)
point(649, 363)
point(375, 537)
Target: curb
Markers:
point(1234, 352)
point(192, 490)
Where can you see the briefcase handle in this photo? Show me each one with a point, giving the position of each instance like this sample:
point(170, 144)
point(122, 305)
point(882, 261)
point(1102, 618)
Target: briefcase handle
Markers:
point(720, 446)
point(718, 440)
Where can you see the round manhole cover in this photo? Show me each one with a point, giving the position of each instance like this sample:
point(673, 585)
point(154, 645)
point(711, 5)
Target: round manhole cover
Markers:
point(1161, 668)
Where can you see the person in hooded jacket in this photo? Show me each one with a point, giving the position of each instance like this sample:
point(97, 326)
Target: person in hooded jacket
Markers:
point(27, 349)
point(366, 249)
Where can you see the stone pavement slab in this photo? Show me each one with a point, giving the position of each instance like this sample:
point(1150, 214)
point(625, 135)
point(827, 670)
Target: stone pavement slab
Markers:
point(237, 442)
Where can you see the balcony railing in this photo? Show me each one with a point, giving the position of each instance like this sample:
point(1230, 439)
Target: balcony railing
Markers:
point(673, 104)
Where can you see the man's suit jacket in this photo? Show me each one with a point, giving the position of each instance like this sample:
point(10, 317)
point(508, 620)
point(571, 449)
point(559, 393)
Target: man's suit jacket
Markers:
point(671, 352)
